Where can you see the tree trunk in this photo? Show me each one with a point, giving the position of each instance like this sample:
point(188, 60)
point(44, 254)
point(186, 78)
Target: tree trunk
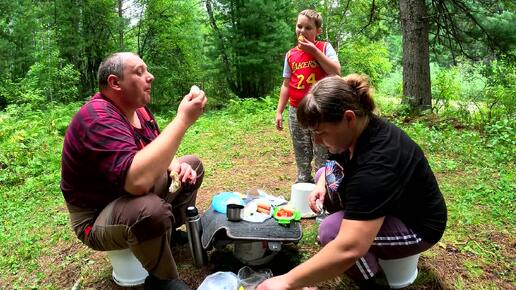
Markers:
point(121, 25)
point(417, 91)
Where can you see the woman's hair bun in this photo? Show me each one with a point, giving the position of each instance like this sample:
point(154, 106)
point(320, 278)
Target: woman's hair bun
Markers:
point(359, 84)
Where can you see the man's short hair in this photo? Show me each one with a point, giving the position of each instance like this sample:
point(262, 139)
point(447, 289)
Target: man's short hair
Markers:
point(111, 65)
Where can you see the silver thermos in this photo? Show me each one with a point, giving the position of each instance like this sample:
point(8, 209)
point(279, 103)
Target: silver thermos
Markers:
point(194, 228)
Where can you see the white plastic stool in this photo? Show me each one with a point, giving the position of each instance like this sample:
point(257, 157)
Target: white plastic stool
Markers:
point(400, 272)
point(127, 270)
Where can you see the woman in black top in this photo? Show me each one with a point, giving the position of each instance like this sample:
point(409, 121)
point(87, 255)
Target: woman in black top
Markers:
point(383, 197)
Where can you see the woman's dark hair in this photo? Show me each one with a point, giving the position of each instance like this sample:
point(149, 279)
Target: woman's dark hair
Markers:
point(330, 97)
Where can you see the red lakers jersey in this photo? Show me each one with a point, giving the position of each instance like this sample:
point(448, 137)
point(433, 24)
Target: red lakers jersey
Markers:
point(305, 72)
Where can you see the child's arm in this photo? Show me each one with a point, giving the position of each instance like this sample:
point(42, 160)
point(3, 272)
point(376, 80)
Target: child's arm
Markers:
point(282, 102)
point(330, 66)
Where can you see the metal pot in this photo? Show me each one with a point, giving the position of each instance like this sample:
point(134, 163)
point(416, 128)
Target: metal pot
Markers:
point(234, 212)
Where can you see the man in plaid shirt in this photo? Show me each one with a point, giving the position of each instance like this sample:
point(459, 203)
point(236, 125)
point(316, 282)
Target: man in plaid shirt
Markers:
point(117, 168)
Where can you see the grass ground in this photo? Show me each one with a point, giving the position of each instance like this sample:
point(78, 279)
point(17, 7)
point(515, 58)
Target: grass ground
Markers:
point(241, 150)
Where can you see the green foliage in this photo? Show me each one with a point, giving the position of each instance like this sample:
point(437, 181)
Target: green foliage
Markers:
point(500, 92)
point(501, 28)
point(85, 33)
point(445, 88)
point(391, 85)
point(395, 47)
point(501, 133)
point(171, 45)
point(476, 29)
point(252, 107)
point(57, 80)
point(28, 132)
point(365, 57)
point(19, 21)
point(48, 79)
point(472, 92)
point(31, 222)
point(21, 92)
point(251, 38)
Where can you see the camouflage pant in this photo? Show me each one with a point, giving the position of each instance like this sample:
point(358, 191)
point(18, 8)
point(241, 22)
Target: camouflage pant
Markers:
point(304, 149)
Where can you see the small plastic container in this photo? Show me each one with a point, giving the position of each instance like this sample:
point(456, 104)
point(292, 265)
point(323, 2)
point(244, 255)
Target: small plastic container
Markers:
point(319, 219)
point(322, 212)
point(250, 279)
point(400, 272)
point(127, 270)
point(285, 220)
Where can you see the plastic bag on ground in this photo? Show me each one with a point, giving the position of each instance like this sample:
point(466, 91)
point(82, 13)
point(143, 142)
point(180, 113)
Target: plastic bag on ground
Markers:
point(220, 281)
point(248, 279)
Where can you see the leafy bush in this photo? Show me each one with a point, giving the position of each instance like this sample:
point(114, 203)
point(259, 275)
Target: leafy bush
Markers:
point(25, 139)
point(475, 93)
point(252, 106)
point(57, 82)
point(22, 92)
point(391, 85)
point(501, 134)
point(499, 94)
point(365, 57)
point(445, 88)
point(48, 79)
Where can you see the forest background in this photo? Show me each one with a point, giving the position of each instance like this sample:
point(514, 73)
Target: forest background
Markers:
point(443, 70)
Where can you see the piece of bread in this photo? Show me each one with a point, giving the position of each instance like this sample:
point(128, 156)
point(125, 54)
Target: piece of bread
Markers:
point(175, 183)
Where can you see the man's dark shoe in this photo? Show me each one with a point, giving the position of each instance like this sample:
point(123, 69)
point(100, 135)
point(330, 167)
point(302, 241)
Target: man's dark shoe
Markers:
point(178, 238)
point(153, 283)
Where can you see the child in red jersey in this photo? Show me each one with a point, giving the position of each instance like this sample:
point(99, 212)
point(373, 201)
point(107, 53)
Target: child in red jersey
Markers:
point(305, 64)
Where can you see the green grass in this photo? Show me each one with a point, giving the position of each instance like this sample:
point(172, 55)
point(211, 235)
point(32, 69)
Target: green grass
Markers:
point(475, 172)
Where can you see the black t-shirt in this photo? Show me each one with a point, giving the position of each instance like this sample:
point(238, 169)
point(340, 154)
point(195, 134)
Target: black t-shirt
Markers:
point(390, 176)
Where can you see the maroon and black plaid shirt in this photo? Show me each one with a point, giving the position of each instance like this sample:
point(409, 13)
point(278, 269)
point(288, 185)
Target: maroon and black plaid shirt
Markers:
point(99, 147)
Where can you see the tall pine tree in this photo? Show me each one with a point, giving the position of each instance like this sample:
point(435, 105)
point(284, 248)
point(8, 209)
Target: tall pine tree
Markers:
point(251, 38)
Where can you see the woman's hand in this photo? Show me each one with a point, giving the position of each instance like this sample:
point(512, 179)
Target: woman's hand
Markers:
point(274, 283)
point(318, 194)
